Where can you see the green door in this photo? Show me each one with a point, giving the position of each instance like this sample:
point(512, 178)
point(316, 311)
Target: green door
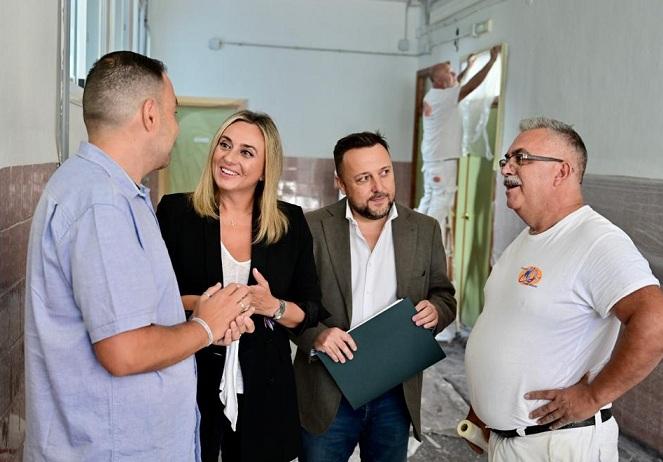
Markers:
point(474, 227)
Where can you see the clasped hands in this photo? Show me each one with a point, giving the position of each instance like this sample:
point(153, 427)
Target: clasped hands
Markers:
point(232, 306)
point(227, 311)
point(339, 345)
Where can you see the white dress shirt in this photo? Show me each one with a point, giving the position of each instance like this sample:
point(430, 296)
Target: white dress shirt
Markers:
point(373, 272)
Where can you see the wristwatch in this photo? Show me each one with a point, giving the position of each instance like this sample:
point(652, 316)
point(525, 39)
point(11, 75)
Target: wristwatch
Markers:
point(278, 314)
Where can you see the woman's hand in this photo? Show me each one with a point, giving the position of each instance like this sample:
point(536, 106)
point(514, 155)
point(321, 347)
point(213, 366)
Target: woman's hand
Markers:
point(266, 304)
point(261, 296)
point(241, 325)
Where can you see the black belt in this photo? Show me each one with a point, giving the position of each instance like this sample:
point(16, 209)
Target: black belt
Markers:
point(606, 414)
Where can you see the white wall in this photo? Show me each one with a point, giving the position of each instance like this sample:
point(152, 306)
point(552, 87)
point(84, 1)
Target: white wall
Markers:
point(28, 82)
point(593, 63)
point(315, 97)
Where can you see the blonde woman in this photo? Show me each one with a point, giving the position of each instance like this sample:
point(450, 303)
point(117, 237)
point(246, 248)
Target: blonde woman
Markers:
point(233, 229)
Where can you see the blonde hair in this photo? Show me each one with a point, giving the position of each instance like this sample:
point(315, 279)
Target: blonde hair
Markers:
point(273, 223)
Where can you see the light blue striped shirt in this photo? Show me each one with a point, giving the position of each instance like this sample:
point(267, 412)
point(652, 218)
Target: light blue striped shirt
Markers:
point(97, 267)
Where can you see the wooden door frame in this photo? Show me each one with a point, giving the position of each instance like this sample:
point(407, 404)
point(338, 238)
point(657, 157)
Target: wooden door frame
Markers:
point(419, 94)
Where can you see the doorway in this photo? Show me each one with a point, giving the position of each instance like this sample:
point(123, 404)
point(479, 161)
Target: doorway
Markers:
point(199, 119)
point(468, 230)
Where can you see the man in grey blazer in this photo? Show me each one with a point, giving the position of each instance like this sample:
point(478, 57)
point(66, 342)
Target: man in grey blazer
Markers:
point(369, 252)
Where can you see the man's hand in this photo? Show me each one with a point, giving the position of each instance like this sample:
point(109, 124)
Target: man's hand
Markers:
point(495, 51)
point(218, 307)
point(336, 343)
point(471, 59)
point(427, 315)
point(472, 417)
point(242, 324)
point(567, 405)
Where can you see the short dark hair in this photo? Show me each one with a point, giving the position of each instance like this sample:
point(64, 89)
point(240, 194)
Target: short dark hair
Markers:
point(355, 141)
point(117, 84)
point(566, 132)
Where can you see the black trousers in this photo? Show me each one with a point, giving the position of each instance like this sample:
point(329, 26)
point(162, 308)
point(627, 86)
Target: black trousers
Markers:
point(217, 436)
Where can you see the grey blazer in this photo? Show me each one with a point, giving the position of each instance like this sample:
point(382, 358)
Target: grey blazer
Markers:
point(421, 274)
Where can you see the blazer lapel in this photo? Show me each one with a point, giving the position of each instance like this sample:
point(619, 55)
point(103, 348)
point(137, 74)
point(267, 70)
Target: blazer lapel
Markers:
point(405, 245)
point(212, 250)
point(337, 237)
point(258, 250)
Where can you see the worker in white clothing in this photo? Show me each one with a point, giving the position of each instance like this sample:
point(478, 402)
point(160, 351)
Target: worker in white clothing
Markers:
point(442, 133)
point(541, 361)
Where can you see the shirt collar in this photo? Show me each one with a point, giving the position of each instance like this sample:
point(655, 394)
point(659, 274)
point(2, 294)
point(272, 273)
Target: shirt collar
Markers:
point(92, 153)
point(393, 213)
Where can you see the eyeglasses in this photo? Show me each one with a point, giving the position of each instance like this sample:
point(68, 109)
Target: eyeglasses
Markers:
point(520, 155)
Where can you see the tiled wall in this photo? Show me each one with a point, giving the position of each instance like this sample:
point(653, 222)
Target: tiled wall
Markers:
point(640, 411)
point(636, 206)
point(309, 182)
point(20, 188)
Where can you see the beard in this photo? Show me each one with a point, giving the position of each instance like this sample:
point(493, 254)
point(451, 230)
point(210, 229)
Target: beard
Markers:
point(372, 213)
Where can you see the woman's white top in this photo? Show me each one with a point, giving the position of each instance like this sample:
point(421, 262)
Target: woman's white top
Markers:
point(231, 382)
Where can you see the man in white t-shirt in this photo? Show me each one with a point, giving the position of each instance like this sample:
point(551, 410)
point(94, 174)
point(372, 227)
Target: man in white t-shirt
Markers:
point(442, 133)
point(541, 362)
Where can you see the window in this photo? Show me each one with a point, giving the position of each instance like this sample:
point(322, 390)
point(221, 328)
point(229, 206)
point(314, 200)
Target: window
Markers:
point(88, 30)
point(100, 26)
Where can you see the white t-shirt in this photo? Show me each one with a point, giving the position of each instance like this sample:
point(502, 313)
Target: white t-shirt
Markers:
point(547, 318)
point(442, 124)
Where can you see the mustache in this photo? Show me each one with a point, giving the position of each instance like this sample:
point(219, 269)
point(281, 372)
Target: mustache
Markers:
point(512, 180)
point(378, 196)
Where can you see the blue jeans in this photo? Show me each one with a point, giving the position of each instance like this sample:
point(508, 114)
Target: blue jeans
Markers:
point(381, 427)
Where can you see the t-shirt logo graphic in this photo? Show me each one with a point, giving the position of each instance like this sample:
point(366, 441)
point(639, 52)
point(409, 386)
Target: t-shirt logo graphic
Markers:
point(530, 276)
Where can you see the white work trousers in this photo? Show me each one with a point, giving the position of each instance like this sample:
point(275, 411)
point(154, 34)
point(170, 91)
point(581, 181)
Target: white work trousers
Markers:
point(439, 189)
point(596, 443)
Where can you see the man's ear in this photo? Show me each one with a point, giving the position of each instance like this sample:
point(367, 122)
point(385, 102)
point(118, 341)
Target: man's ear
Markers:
point(150, 114)
point(564, 171)
point(339, 184)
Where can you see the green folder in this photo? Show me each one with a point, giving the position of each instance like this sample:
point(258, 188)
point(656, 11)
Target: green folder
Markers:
point(390, 350)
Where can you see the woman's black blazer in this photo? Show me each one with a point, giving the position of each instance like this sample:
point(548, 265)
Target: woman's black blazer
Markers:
point(268, 421)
